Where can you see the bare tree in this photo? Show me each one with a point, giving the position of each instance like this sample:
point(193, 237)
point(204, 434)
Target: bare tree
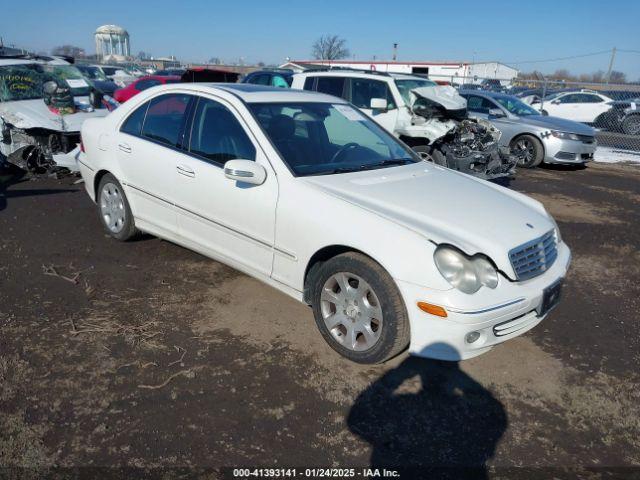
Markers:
point(617, 77)
point(330, 47)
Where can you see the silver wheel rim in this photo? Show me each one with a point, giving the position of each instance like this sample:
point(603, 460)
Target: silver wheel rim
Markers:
point(525, 150)
point(351, 311)
point(633, 126)
point(112, 207)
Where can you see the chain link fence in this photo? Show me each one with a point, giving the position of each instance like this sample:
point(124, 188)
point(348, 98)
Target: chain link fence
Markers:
point(612, 109)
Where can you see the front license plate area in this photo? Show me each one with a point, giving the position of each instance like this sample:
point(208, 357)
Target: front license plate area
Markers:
point(550, 298)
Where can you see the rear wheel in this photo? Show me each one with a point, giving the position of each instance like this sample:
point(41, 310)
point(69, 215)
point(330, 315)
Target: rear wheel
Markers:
point(358, 309)
point(631, 125)
point(115, 213)
point(528, 150)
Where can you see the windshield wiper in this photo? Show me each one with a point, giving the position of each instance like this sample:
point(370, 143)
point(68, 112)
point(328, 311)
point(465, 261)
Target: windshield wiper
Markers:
point(367, 166)
point(392, 161)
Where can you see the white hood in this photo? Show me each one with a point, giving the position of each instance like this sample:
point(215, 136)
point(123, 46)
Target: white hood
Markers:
point(445, 207)
point(27, 114)
point(445, 95)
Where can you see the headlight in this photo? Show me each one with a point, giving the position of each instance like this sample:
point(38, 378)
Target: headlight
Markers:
point(467, 274)
point(565, 135)
point(556, 228)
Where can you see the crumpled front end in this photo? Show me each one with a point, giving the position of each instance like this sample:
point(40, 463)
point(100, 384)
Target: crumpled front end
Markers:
point(467, 145)
point(34, 149)
point(473, 148)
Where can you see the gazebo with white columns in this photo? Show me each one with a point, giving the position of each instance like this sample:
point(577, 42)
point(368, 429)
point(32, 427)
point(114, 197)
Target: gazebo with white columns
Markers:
point(112, 41)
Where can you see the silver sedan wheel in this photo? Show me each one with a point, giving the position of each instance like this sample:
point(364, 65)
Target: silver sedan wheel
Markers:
point(351, 311)
point(525, 150)
point(112, 207)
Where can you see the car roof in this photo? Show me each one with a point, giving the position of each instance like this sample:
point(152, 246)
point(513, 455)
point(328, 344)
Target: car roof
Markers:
point(272, 71)
point(251, 93)
point(404, 76)
point(347, 73)
point(487, 93)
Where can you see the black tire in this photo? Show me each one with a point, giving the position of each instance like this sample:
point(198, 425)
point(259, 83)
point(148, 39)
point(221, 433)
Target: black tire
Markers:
point(393, 336)
point(528, 150)
point(127, 230)
point(631, 125)
point(430, 154)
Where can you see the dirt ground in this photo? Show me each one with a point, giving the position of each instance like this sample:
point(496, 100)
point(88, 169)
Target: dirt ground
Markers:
point(145, 355)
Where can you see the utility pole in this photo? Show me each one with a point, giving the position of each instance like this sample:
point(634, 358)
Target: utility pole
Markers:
point(613, 57)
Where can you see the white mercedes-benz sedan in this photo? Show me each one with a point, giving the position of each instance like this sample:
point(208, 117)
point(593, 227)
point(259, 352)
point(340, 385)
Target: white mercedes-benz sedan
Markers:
point(304, 192)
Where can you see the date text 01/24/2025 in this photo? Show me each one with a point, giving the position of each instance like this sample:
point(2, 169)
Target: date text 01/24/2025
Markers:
point(247, 473)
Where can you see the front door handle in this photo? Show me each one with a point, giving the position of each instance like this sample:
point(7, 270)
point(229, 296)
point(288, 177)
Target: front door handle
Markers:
point(124, 147)
point(186, 171)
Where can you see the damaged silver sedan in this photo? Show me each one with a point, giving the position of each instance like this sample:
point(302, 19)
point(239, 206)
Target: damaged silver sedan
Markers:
point(41, 115)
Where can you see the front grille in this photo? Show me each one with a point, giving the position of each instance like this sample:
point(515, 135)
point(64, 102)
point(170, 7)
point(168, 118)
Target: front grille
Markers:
point(565, 156)
point(534, 257)
point(586, 138)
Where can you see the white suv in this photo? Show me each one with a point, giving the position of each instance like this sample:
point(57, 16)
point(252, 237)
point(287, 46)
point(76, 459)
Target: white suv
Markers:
point(430, 118)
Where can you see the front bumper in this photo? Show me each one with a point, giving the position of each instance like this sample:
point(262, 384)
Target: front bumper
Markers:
point(498, 315)
point(568, 151)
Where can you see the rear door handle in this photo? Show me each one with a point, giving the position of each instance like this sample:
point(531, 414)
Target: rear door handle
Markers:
point(124, 147)
point(186, 171)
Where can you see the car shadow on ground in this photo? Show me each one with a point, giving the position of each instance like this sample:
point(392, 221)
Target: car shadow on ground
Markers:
point(559, 167)
point(428, 415)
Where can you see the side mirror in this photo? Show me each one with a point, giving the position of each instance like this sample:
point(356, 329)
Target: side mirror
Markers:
point(378, 104)
point(245, 171)
point(496, 113)
point(556, 102)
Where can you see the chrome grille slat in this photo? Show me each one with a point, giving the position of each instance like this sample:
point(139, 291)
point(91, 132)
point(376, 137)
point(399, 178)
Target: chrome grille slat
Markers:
point(535, 257)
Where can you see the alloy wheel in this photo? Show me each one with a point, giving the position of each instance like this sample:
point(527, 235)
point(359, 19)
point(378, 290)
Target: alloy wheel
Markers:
point(112, 207)
point(525, 150)
point(351, 311)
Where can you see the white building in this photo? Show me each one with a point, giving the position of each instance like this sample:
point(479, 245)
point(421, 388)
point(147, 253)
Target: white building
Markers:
point(112, 43)
point(454, 72)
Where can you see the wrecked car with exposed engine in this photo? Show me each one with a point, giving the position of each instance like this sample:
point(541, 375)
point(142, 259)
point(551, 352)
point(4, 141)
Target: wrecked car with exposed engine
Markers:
point(42, 107)
point(432, 119)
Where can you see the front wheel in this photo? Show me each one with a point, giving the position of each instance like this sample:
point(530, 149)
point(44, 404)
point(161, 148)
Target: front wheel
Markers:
point(358, 309)
point(114, 210)
point(528, 150)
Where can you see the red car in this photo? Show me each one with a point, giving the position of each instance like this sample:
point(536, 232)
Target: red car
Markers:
point(131, 90)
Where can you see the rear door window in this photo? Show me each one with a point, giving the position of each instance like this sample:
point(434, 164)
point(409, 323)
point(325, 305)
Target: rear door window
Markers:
point(331, 85)
point(308, 83)
point(479, 104)
point(165, 118)
point(133, 124)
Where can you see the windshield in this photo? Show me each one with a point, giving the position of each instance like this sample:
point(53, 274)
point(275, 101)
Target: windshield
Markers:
point(515, 106)
point(405, 87)
point(70, 76)
point(21, 82)
point(324, 138)
point(93, 73)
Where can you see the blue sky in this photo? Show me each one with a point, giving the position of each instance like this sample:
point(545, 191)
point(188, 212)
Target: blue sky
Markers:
point(269, 31)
